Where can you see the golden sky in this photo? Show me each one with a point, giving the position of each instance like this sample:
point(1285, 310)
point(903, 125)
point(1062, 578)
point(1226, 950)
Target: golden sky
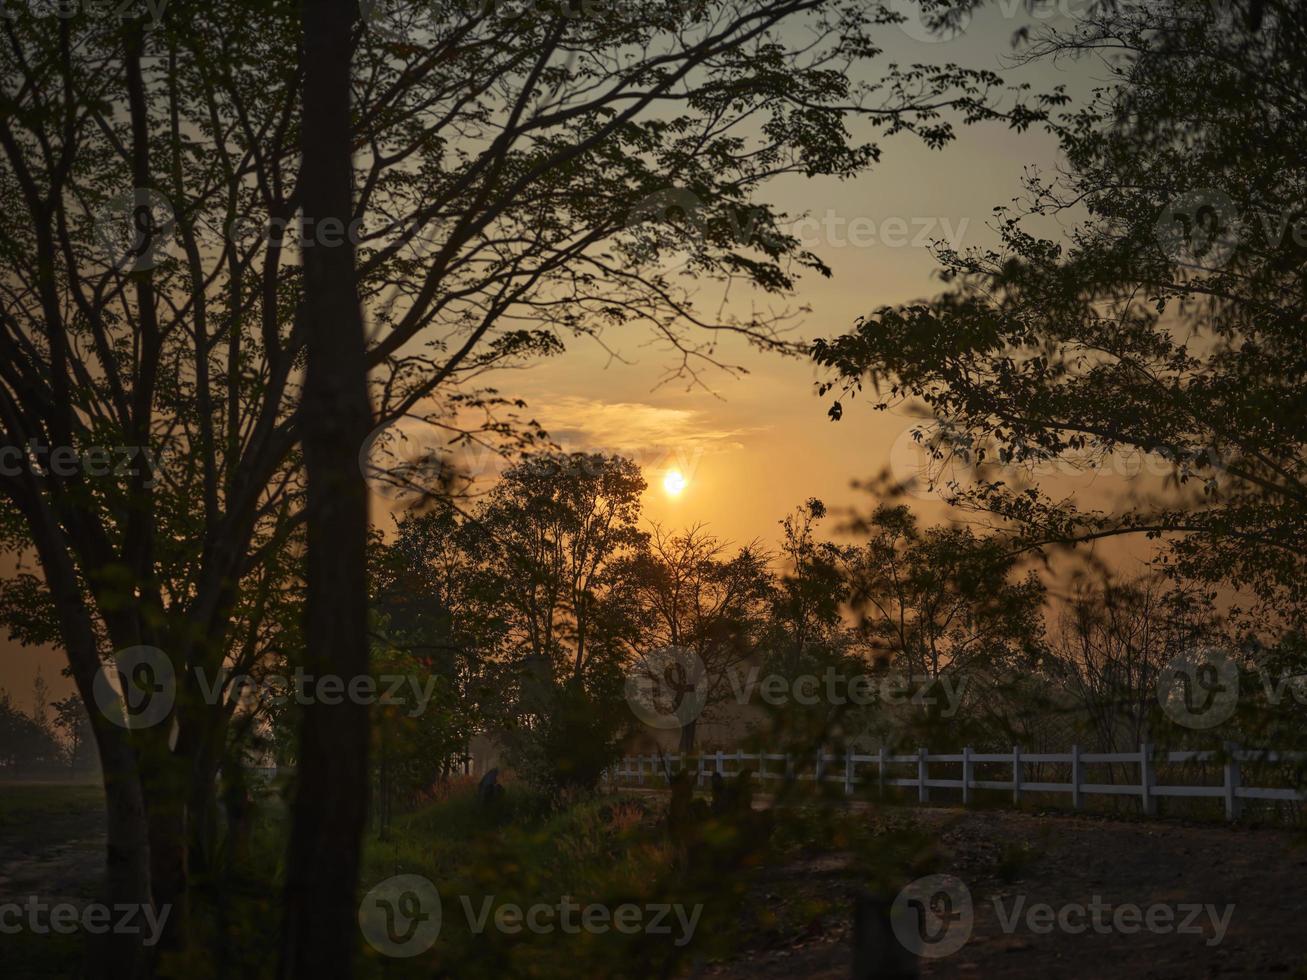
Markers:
point(753, 447)
point(756, 446)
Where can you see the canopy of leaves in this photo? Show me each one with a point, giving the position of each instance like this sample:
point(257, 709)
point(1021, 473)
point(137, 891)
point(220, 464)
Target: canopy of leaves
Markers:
point(1172, 320)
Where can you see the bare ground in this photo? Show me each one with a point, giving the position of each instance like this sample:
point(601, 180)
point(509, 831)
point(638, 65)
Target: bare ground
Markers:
point(51, 841)
point(1072, 859)
point(1061, 859)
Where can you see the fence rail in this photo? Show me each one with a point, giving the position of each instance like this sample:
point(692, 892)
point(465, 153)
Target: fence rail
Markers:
point(831, 768)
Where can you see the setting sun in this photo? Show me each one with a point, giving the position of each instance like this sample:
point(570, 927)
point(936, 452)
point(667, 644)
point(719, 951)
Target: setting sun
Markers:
point(674, 483)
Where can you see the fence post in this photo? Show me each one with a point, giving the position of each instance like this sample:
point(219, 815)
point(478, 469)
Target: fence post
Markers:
point(700, 772)
point(762, 766)
point(923, 791)
point(966, 775)
point(1075, 777)
point(880, 771)
point(1016, 775)
point(720, 770)
point(1233, 805)
point(816, 778)
point(848, 772)
point(1146, 776)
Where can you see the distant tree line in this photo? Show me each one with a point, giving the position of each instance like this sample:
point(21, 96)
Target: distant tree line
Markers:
point(532, 604)
point(53, 738)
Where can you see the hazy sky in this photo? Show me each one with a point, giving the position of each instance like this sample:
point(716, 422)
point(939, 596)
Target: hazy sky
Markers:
point(754, 447)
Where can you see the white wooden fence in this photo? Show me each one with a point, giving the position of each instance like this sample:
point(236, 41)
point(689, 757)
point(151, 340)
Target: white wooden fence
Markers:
point(829, 768)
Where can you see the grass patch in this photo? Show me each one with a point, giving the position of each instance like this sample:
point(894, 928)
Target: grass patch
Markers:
point(683, 899)
point(30, 803)
point(488, 863)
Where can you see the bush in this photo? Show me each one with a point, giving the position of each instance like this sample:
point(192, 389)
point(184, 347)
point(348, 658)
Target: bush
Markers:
point(570, 743)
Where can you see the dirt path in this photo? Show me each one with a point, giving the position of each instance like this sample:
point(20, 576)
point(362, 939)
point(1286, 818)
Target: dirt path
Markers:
point(1009, 861)
point(51, 842)
point(1020, 860)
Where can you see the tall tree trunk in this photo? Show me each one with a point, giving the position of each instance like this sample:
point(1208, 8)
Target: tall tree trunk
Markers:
point(127, 858)
point(321, 925)
point(127, 865)
point(165, 792)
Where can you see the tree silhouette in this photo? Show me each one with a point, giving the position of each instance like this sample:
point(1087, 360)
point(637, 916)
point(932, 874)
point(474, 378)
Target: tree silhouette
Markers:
point(1170, 324)
point(698, 596)
point(331, 802)
point(521, 176)
point(941, 598)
